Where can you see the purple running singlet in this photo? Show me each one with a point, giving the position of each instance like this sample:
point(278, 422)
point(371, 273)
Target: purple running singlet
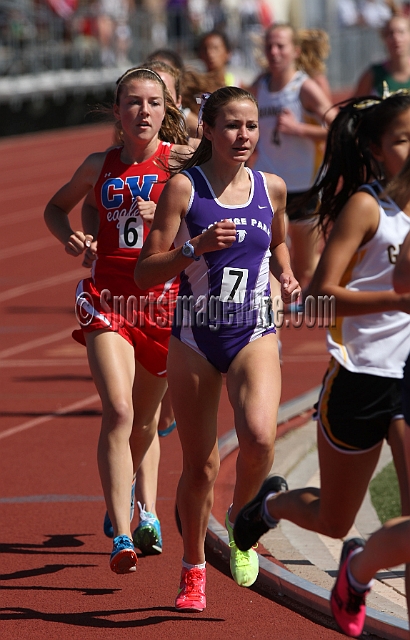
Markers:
point(224, 298)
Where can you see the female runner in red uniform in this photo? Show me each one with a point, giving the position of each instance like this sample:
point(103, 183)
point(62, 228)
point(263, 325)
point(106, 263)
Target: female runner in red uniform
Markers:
point(126, 330)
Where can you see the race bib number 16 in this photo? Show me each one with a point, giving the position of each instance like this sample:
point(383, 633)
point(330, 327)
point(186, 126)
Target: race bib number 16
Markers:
point(131, 232)
point(233, 287)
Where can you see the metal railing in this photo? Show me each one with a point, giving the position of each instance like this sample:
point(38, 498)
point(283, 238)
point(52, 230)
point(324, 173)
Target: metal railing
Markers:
point(35, 40)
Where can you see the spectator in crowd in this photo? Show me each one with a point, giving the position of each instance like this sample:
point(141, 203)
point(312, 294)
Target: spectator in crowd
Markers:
point(114, 33)
point(178, 22)
point(214, 49)
point(255, 16)
point(347, 13)
point(375, 13)
point(395, 70)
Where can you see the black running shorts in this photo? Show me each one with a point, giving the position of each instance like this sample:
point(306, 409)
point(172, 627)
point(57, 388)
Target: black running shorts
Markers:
point(355, 409)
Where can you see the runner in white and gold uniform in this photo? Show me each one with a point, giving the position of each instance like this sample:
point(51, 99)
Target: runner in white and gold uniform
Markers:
point(360, 404)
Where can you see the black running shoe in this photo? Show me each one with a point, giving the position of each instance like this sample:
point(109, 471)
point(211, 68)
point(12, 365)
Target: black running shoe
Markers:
point(249, 524)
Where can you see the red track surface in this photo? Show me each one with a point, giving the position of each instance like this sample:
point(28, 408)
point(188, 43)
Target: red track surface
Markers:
point(55, 580)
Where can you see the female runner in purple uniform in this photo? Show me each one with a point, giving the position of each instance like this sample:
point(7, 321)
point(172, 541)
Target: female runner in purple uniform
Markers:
point(227, 223)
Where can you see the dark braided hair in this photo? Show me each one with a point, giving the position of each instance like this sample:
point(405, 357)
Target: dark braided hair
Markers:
point(348, 162)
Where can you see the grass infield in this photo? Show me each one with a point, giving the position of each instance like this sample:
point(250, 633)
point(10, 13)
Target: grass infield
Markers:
point(384, 492)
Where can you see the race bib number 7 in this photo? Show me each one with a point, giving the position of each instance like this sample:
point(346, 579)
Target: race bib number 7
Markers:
point(131, 232)
point(233, 287)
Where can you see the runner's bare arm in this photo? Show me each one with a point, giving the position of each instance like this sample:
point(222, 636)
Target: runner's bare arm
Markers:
point(315, 101)
point(60, 205)
point(90, 220)
point(280, 260)
point(356, 225)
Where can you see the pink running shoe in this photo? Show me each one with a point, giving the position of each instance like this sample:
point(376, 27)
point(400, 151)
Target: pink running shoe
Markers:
point(191, 594)
point(348, 606)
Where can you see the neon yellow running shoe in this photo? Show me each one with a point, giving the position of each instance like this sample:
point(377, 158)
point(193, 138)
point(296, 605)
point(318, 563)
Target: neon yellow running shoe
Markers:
point(244, 564)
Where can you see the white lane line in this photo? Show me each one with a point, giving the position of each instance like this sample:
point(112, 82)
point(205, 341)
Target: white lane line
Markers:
point(27, 214)
point(16, 292)
point(31, 190)
point(52, 497)
point(33, 245)
point(50, 416)
point(38, 342)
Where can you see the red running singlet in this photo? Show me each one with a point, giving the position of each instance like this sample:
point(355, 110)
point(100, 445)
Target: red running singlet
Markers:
point(110, 299)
